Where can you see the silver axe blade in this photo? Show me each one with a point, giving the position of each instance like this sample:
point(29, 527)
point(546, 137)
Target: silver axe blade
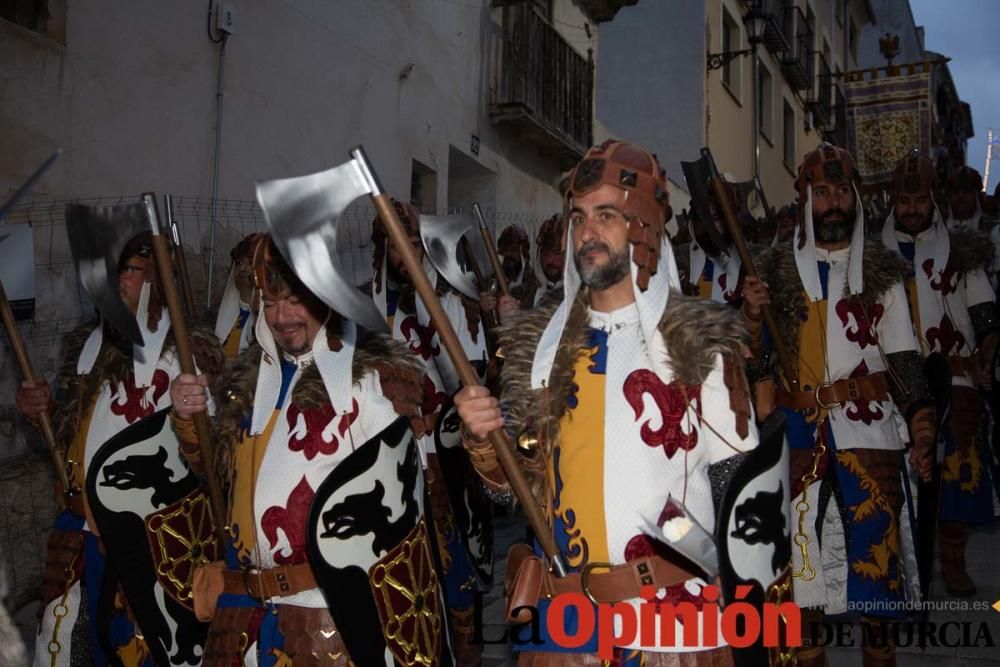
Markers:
point(684, 534)
point(97, 236)
point(442, 236)
point(302, 214)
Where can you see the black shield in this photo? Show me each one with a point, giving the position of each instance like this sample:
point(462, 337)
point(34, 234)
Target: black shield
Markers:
point(472, 509)
point(155, 523)
point(370, 551)
point(753, 530)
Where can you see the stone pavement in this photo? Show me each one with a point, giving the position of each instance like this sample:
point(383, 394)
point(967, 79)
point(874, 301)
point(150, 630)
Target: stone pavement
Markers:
point(984, 567)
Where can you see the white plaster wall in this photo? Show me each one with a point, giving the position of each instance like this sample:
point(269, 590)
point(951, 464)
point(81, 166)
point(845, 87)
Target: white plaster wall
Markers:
point(131, 96)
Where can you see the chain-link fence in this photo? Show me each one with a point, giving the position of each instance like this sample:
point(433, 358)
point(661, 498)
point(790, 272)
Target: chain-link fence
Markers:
point(26, 501)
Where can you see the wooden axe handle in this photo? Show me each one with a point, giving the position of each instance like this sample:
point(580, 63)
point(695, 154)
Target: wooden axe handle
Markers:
point(442, 324)
point(44, 423)
point(185, 355)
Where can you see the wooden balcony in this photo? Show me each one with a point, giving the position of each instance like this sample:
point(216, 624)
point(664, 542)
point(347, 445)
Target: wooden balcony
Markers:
point(541, 87)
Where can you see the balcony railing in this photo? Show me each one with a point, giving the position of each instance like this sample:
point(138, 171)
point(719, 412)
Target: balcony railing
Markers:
point(820, 100)
point(797, 61)
point(774, 37)
point(838, 135)
point(541, 86)
point(603, 10)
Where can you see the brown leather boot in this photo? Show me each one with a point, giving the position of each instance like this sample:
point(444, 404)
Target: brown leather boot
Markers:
point(879, 650)
point(466, 651)
point(954, 536)
point(809, 655)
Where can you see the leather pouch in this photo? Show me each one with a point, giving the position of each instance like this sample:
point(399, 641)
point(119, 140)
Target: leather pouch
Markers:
point(523, 583)
point(206, 587)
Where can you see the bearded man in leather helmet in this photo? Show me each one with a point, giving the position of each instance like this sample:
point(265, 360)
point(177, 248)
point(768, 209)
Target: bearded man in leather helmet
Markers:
point(955, 314)
point(550, 255)
point(578, 376)
point(966, 210)
point(857, 376)
point(294, 411)
point(105, 385)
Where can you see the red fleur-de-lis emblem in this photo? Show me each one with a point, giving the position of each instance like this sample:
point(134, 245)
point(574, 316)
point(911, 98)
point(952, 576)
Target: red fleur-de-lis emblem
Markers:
point(947, 280)
point(317, 430)
point(433, 399)
point(419, 337)
point(131, 402)
point(672, 400)
point(860, 324)
point(945, 338)
point(290, 520)
point(862, 411)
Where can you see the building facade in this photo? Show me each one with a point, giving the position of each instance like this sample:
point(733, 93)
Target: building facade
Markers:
point(804, 44)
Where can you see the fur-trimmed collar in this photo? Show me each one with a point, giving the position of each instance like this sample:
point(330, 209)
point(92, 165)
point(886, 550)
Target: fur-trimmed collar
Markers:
point(971, 250)
point(882, 269)
point(692, 351)
point(235, 396)
point(75, 392)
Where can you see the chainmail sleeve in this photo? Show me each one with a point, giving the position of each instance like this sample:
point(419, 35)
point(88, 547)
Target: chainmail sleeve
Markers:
point(985, 320)
point(908, 385)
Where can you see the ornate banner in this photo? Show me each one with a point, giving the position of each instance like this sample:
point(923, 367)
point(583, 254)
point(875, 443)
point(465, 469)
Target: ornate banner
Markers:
point(887, 118)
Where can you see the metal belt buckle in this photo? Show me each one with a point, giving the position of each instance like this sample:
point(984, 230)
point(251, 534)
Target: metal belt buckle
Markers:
point(585, 579)
point(820, 402)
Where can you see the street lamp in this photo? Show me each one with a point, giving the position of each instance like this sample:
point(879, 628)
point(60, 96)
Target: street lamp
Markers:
point(755, 21)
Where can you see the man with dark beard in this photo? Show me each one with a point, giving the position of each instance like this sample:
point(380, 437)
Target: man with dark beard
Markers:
point(965, 211)
point(856, 378)
point(550, 255)
point(314, 389)
point(105, 385)
point(514, 249)
point(955, 315)
point(586, 376)
point(709, 264)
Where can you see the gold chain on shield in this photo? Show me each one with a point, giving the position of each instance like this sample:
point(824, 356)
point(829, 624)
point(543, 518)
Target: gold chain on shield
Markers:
point(800, 539)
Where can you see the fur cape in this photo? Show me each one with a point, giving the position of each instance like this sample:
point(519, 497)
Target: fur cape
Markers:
point(970, 251)
point(883, 268)
point(400, 374)
point(695, 332)
point(74, 393)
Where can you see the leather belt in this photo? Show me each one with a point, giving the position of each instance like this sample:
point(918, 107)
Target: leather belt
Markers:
point(968, 366)
point(606, 583)
point(264, 584)
point(872, 387)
